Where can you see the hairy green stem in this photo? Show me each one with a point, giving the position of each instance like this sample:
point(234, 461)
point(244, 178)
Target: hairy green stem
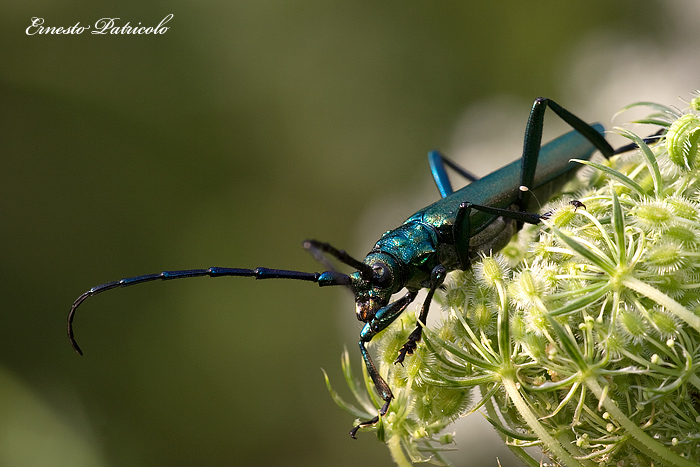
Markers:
point(643, 442)
point(548, 442)
point(664, 300)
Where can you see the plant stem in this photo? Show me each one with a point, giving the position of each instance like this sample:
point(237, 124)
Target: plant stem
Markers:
point(643, 442)
point(548, 442)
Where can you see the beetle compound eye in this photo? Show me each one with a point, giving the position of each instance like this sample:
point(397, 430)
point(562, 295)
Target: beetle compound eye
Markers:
point(382, 273)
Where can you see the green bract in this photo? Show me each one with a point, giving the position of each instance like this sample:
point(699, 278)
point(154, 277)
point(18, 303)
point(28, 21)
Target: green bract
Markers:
point(582, 336)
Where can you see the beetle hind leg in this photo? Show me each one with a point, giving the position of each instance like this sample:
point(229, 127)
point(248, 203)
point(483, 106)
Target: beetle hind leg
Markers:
point(438, 164)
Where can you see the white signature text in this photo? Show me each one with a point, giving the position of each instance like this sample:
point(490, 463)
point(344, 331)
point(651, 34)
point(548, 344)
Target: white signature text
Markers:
point(101, 26)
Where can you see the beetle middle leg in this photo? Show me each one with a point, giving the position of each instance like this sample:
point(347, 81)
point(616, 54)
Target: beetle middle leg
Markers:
point(437, 277)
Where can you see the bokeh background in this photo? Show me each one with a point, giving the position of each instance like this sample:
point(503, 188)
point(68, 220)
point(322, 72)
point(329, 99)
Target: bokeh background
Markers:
point(244, 129)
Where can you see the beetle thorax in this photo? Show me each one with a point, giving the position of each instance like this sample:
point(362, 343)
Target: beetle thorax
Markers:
point(403, 257)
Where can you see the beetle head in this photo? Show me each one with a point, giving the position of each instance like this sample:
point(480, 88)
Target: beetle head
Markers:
point(373, 291)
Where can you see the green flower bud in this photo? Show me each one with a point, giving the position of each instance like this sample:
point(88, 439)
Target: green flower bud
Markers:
point(438, 404)
point(683, 141)
point(653, 215)
point(491, 270)
point(695, 103)
point(665, 257)
point(632, 324)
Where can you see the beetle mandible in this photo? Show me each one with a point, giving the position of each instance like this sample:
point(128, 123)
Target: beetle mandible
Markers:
point(480, 218)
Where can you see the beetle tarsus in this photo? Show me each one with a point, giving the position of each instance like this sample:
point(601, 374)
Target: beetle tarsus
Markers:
point(370, 422)
point(410, 346)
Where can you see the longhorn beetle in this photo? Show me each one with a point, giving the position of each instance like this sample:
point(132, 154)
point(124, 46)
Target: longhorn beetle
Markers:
point(445, 236)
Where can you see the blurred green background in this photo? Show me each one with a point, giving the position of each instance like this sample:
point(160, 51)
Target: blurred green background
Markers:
point(244, 129)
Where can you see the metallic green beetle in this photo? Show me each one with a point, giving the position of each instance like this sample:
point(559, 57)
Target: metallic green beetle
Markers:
point(445, 236)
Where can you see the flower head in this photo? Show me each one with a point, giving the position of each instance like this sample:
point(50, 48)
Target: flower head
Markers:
point(583, 335)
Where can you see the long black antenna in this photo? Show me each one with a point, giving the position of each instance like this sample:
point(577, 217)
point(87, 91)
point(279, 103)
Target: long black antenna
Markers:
point(323, 279)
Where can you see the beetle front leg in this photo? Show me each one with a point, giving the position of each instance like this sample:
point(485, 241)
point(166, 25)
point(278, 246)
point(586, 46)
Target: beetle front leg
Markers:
point(383, 318)
point(437, 277)
point(380, 385)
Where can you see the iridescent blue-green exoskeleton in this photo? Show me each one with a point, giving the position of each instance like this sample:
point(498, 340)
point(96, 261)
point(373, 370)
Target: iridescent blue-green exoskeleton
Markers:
point(445, 236)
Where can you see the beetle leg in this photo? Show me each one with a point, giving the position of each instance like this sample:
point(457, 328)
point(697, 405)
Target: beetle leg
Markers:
point(371, 421)
point(525, 217)
point(383, 318)
point(462, 232)
point(649, 139)
point(437, 277)
point(533, 141)
point(437, 163)
point(462, 235)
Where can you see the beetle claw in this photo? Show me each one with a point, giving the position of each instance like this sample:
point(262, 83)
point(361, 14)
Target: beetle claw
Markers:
point(407, 349)
point(371, 422)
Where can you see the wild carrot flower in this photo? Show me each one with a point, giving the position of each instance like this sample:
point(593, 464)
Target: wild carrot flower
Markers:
point(583, 335)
